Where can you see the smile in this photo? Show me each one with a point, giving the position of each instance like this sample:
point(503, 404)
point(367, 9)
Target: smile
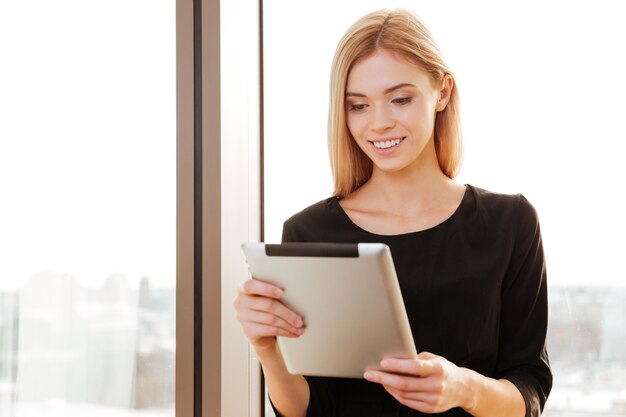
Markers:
point(385, 144)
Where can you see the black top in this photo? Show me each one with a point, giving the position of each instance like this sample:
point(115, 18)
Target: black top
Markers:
point(474, 287)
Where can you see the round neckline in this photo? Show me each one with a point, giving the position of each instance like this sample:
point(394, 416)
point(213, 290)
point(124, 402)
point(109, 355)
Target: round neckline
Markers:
point(450, 218)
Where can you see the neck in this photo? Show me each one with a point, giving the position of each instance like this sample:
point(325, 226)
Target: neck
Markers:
point(419, 186)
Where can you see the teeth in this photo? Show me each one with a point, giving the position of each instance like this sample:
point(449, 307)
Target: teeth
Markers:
point(386, 144)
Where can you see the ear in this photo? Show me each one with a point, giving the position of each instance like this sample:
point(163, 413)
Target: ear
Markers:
point(447, 85)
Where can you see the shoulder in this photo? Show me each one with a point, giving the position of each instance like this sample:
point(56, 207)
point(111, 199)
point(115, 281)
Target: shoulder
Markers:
point(314, 222)
point(502, 217)
point(503, 207)
point(311, 214)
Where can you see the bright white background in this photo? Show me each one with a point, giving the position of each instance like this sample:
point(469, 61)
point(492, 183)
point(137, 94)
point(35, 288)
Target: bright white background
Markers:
point(87, 140)
point(542, 90)
point(87, 207)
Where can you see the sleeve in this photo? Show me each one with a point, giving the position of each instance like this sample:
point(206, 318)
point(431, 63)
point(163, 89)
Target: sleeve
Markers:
point(322, 391)
point(288, 233)
point(523, 358)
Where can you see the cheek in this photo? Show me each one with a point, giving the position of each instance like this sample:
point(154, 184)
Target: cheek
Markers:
point(353, 125)
point(419, 122)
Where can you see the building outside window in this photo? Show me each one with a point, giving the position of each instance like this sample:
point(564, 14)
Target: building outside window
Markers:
point(87, 220)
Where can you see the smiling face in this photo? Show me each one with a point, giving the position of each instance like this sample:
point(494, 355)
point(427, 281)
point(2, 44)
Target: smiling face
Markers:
point(390, 111)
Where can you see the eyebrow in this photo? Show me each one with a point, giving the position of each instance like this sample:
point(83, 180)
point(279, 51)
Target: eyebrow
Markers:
point(387, 91)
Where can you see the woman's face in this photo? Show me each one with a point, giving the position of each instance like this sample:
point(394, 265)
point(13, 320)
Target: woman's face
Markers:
point(390, 111)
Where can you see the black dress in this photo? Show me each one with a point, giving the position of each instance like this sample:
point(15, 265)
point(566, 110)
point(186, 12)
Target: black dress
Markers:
point(474, 287)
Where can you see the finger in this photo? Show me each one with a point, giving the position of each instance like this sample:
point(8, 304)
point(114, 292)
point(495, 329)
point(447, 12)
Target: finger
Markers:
point(254, 286)
point(418, 367)
point(261, 317)
point(423, 406)
point(258, 330)
point(421, 395)
point(427, 355)
point(396, 381)
point(276, 308)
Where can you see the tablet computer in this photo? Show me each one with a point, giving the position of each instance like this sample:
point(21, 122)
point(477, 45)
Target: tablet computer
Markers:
point(349, 298)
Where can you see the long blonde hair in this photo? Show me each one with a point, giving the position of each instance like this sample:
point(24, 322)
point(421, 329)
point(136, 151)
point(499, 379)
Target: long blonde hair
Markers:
point(400, 32)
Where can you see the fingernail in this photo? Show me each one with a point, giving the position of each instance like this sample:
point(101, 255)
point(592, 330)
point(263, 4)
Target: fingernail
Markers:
point(384, 363)
point(368, 375)
point(278, 292)
point(298, 322)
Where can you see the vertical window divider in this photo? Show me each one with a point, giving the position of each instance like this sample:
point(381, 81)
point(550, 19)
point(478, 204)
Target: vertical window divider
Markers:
point(197, 210)
point(219, 182)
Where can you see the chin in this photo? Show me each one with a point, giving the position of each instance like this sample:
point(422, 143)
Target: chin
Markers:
point(391, 169)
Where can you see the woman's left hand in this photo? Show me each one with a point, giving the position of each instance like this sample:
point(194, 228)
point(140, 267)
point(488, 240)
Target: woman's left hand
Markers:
point(429, 384)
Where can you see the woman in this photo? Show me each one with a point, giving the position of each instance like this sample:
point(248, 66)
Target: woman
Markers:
point(469, 262)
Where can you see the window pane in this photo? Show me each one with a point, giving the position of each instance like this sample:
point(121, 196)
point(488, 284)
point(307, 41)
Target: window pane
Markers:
point(542, 114)
point(87, 174)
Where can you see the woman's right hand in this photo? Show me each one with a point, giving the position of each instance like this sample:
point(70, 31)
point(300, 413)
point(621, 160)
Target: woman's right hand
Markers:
point(263, 316)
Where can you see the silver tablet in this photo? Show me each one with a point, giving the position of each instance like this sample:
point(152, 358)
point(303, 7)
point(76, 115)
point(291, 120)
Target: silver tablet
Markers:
point(349, 297)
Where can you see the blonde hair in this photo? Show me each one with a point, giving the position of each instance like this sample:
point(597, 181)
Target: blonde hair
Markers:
point(400, 32)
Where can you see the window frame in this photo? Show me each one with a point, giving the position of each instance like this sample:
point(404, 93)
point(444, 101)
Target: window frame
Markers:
point(219, 180)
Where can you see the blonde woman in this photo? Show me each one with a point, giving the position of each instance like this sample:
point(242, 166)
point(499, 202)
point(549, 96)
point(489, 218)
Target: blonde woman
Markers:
point(469, 261)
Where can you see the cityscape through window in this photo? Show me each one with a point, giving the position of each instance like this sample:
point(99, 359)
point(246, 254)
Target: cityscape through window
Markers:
point(87, 220)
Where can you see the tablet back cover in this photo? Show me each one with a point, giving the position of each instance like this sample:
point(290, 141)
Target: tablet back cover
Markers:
point(350, 300)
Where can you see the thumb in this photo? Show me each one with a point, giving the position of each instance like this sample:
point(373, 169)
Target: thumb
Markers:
point(426, 355)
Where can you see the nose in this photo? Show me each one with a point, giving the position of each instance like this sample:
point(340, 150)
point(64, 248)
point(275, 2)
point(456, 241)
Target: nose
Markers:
point(381, 120)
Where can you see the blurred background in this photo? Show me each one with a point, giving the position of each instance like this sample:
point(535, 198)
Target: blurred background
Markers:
point(88, 208)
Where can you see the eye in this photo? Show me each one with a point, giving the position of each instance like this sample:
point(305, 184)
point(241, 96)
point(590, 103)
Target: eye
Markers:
point(356, 107)
point(402, 100)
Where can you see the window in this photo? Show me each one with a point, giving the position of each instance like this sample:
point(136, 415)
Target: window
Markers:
point(88, 214)
point(541, 95)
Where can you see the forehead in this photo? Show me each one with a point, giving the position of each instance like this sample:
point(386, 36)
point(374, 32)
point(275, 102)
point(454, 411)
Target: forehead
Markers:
point(384, 69)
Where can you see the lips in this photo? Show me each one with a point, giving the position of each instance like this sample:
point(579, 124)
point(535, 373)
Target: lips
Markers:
point(386, 143)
